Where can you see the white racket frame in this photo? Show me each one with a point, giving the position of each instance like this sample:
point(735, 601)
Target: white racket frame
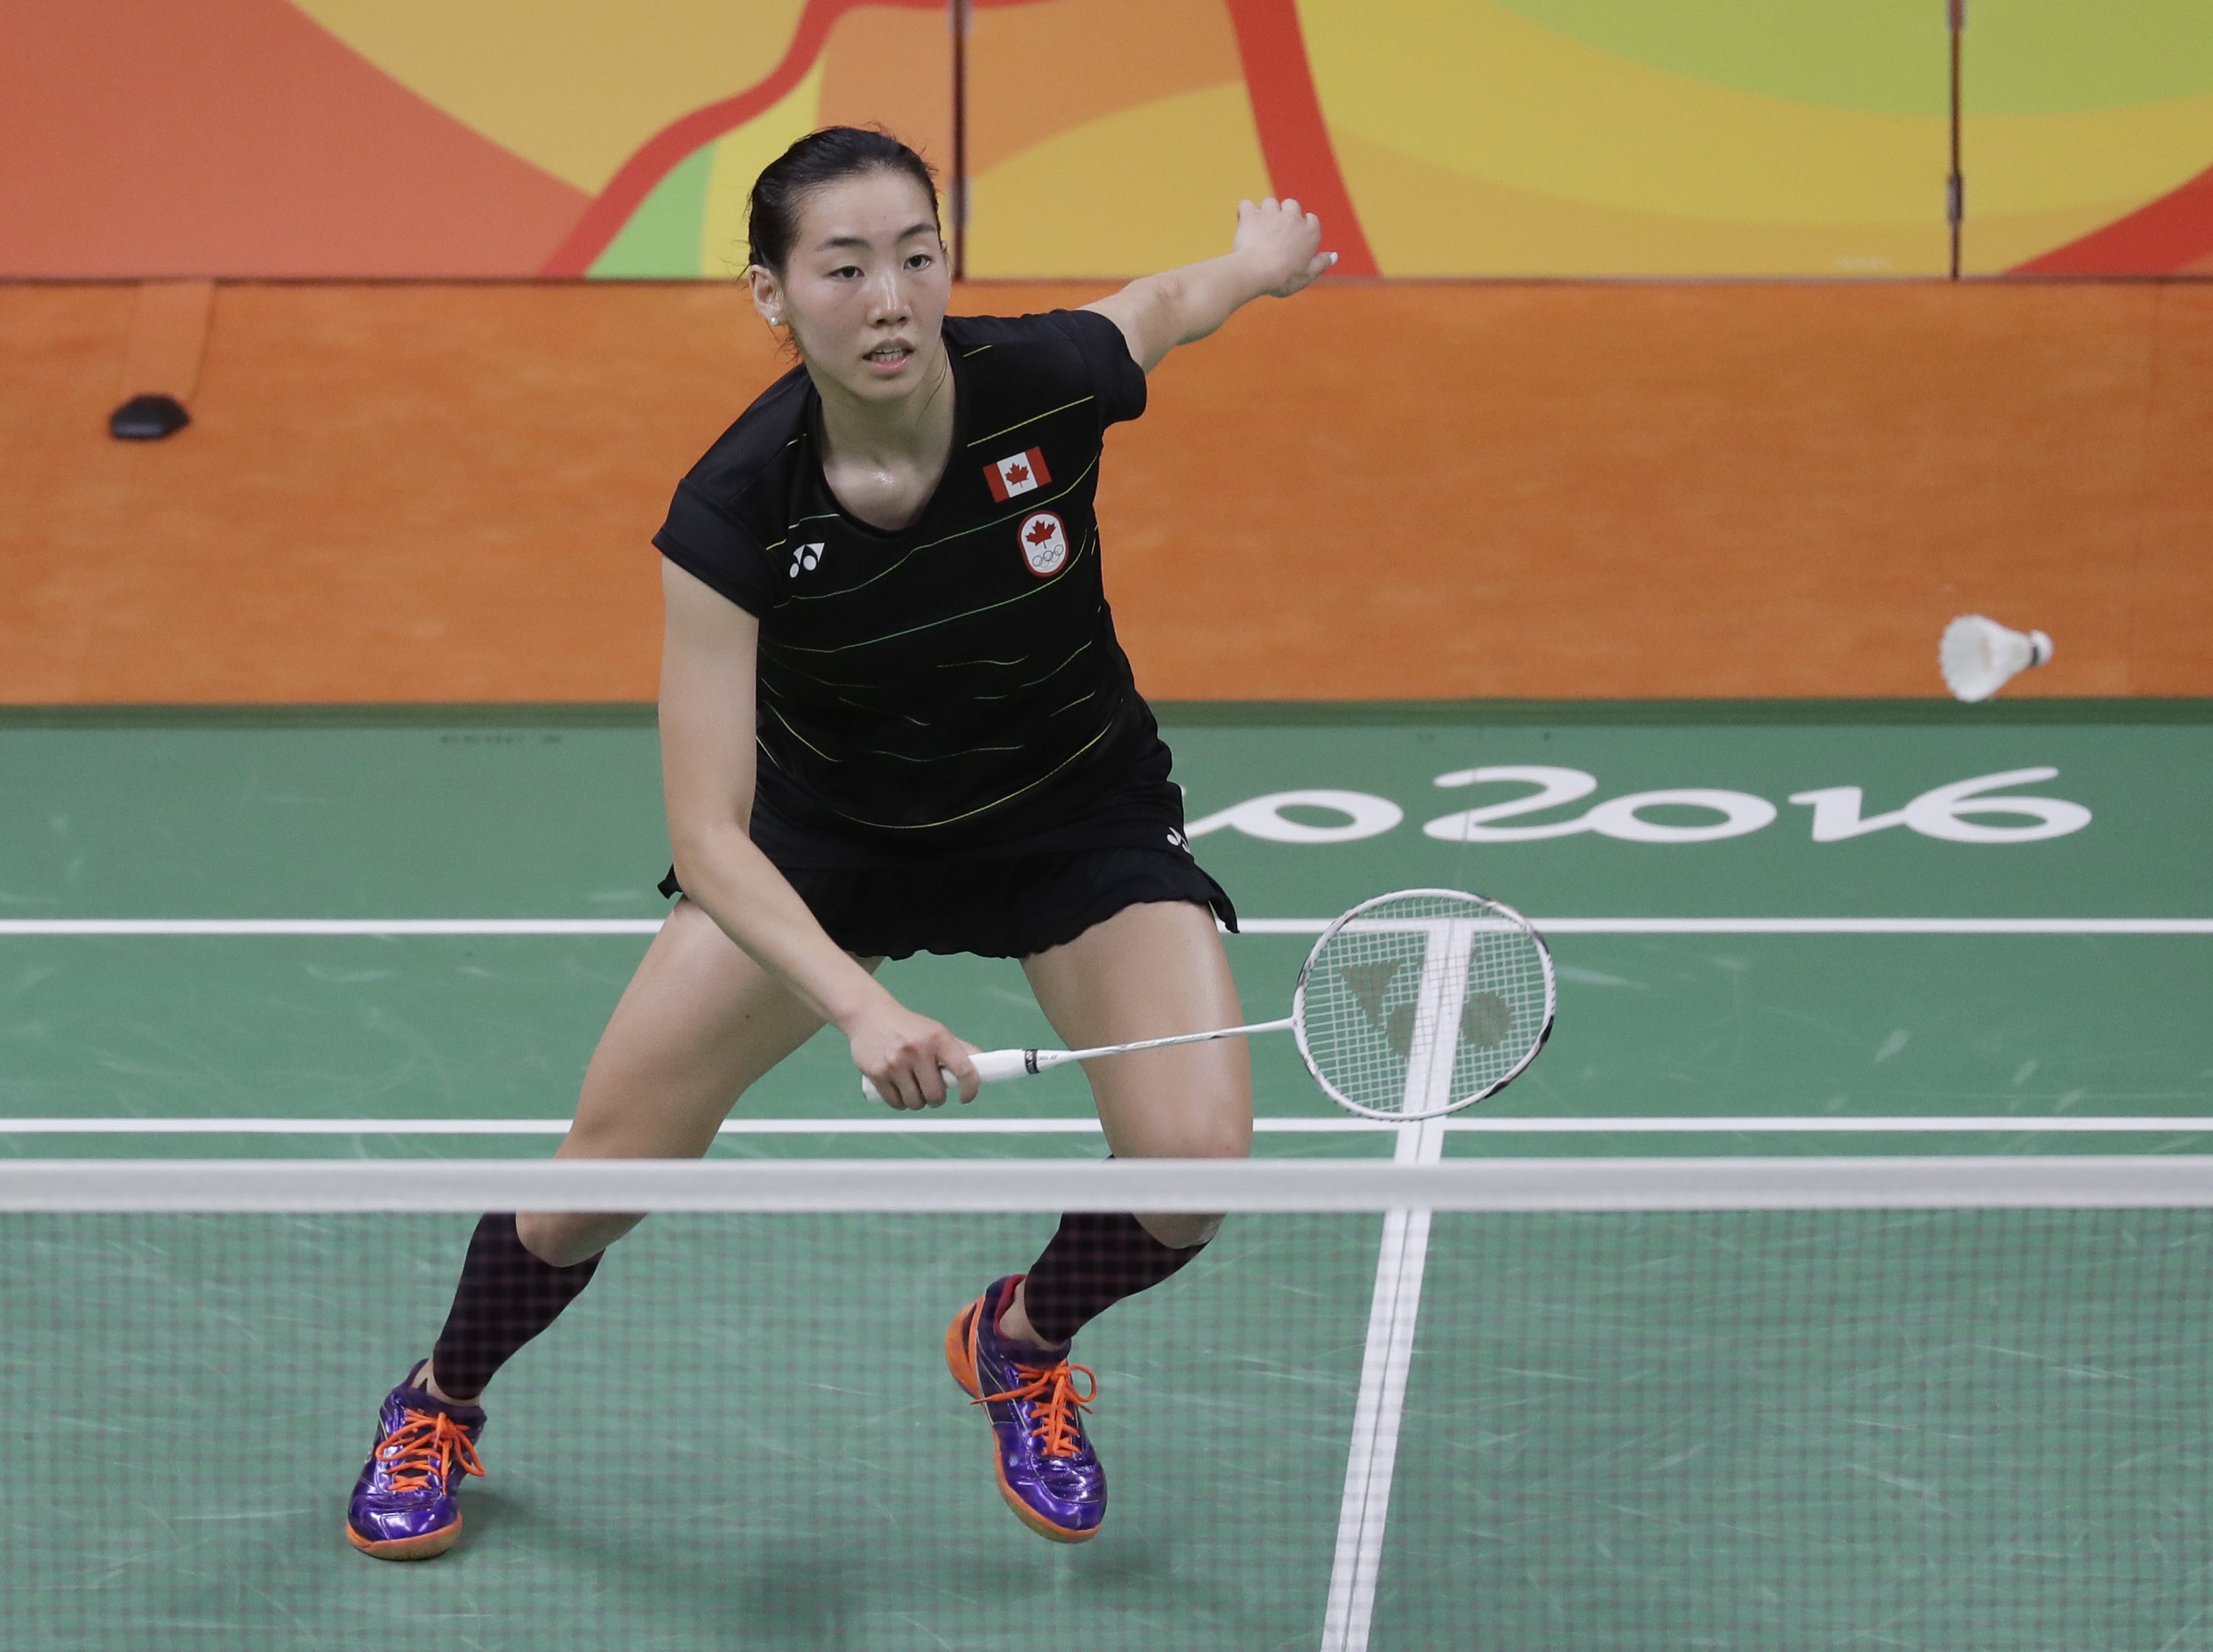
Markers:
point(1404, 1113)
point(993, 1066)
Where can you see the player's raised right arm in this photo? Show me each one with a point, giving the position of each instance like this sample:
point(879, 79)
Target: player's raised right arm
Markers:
point(708, 664)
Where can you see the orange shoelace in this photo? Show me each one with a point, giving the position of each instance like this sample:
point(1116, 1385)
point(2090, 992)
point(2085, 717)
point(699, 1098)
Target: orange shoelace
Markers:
point(428, 1444)
point(1056, 1418)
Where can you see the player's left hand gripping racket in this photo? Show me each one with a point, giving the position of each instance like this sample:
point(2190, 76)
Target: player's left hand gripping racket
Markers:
point(1411, 1005)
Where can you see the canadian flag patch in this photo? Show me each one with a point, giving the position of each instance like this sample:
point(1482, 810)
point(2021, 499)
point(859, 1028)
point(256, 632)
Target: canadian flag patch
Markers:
point(1044, 543)
point(1010, 478)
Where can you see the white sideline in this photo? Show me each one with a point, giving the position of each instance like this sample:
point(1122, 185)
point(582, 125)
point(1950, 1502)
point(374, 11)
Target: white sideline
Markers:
point(1295, 1184)
point(1394, 1306)
point(1811, 925)
point(936, 1123)
point(334, 926)
point(640, 926)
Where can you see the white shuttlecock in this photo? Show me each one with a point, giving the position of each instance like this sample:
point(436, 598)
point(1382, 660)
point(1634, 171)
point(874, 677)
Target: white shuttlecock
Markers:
point(1980, 656)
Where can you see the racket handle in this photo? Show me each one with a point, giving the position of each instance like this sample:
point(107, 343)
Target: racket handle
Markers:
point(991, 1066)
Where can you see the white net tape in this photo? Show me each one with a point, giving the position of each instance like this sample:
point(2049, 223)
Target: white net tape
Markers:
point(1044, 1185)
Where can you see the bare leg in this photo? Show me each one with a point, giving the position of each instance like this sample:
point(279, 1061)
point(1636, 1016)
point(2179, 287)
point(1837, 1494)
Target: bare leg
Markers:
point(1148, 971)
point(699, 1023)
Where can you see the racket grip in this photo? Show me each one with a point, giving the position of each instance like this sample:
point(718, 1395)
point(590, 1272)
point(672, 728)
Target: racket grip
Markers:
point(991, 1066)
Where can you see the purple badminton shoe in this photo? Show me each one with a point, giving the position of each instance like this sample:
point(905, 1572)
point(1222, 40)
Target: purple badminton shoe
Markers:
point(403, 1506)
point(1048, 1474)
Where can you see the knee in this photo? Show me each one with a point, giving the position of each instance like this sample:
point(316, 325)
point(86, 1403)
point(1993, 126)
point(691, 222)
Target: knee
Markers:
point(561, 1239)
point(1222, 1137)
point(1212, 1134)
point(1179, 1231)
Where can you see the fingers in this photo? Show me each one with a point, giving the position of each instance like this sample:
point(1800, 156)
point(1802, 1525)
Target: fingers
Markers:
point(913, 1062)
point(911, 1087)
point(953, 1058)
point(905, 1082)
point(897, 1086)
point(927, 1074)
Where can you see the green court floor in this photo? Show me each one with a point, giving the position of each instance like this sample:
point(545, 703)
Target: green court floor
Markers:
point(1945, 1432)
point(490, 814)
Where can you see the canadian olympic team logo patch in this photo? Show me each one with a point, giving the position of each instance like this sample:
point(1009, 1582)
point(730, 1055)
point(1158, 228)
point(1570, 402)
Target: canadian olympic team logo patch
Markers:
point(1044, 543)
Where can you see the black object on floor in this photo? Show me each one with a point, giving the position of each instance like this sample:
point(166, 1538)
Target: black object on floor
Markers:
point(147, 418)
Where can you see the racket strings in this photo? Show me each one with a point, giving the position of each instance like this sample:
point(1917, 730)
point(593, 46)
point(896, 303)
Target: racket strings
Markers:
point(1423, 1002)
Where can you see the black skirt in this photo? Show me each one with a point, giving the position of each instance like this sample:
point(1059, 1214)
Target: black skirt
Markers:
point(1121, 844)
point(1009, 907)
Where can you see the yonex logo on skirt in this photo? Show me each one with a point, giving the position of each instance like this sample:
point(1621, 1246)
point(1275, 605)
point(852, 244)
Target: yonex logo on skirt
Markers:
point(1021, 474)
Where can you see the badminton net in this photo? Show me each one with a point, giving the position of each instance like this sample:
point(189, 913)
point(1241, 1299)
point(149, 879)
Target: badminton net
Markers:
point(1572, 1404)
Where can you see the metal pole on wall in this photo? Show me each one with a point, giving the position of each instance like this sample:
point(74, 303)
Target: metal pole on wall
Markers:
point(1955, 186)
point(957, 11)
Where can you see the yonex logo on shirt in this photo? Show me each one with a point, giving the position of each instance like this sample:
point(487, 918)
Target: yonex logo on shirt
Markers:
point(879, 685)
point(1021, 474)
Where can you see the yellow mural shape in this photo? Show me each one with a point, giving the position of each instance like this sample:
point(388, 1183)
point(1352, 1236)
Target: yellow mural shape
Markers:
point(739, 158)
point(1139, 191)
point(1477, 142)
point(1425, 220)
point(573, 86)
point(2035, 182)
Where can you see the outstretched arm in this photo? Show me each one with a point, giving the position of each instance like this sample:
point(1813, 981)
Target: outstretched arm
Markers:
point(1276, 249)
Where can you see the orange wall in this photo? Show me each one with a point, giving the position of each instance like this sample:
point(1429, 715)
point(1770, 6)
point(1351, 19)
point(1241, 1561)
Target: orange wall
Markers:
point(445, 493)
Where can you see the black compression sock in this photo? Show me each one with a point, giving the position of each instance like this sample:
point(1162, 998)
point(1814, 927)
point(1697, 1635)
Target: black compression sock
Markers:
point(1092, 1263)
point(506, 1296)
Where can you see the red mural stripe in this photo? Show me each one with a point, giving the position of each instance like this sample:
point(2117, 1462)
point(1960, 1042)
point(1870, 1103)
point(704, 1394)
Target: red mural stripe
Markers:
point(662, 153)
point(1294, 138)
point(667, 149)
point(2163, 237)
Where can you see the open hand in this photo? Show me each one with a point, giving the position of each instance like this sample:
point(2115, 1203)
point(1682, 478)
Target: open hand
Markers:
point(1283, 243)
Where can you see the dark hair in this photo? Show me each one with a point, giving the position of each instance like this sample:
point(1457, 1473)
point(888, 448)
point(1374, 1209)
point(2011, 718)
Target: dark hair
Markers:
point(816, 161)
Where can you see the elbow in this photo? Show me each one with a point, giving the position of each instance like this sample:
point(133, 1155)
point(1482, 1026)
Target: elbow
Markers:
point(695, 847)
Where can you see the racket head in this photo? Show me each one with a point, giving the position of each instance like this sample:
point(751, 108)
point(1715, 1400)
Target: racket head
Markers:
point(1386, 977)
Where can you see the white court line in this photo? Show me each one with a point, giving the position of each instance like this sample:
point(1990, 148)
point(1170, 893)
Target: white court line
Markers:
point(368, 926)
point(641, 926)
point(1810, 925)
point(909, 1124)
point(1393, 1309)
point(958, 1124)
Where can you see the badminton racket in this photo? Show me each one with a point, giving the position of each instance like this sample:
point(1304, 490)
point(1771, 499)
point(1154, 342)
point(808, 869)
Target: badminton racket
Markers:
point(1411, 1005)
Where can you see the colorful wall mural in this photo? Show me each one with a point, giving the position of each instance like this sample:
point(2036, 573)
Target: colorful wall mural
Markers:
point(2089, 130)
point(1105, 137)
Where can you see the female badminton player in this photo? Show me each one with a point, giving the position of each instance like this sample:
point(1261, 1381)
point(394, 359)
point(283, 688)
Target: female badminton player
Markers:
point(894, 718)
